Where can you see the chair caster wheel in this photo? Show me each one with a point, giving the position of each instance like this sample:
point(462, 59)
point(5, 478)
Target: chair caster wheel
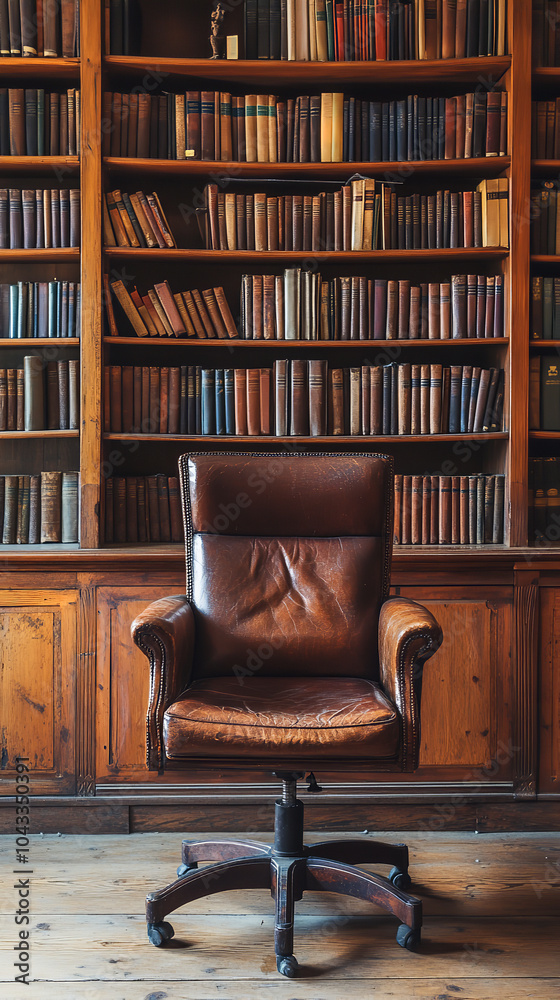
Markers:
point(407, 938)
point(186, 869)
point(160, 933)
point(400, 880)
point(287, 965)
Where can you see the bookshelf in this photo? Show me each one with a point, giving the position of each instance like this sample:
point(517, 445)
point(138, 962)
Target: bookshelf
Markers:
point(486, 595)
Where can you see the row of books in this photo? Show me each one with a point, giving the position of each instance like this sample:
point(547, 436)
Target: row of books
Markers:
point(362, 215)
point(545, 218)
point(545, 129)
point(339, 30)
point(143, 509)
point(38, 123)
point(39, 509)
point(47, 28)
point(42, 218)
point(137, 220)
point(40, 396)
point(302, 397)
point(544, 392)
point(544, 499)
point(429, 510)
point(36, 309)
point(326, 127)
point(161, 313)
point(123, 27)
point(546, 33)
point(449, 510)
point(300, 305)
point(545, 308)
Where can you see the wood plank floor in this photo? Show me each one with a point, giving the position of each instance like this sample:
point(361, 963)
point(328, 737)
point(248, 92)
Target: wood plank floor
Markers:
point(491, 927)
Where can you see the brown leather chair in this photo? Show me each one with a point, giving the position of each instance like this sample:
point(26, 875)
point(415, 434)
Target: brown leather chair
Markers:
point(286, 655)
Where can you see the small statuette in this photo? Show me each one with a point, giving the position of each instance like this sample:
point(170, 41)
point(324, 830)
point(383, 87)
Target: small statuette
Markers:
point(217, 40)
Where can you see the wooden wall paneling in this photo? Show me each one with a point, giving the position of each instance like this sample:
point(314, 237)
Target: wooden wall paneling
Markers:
point(85, 703)
point(38, 633)
point(549, 693)
point(122, 684)
point(525, 683)
point(91, 247)
point(466, 702)
point(519, 145)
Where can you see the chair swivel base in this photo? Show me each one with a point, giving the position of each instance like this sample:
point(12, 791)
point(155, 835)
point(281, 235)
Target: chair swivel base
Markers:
point(288, 869)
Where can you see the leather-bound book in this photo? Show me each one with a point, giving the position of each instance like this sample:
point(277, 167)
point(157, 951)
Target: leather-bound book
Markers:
point(436, 378)
point(69, 507)
point(354, 376)
point(163, 508)
point(416, 510)
point(434, 509)
point(445, 391)
point(450, 127)
point(336, 402)
point(280, 396)
point(455, 510)
point(376, 400)
point(549, 393)
point(465, 397)
point(53, 396)
point(493, 122)
point(253, 401)
point(240, 399)
point(426, 509)
point(463, 538)
point(459, 306)
point(208, 401)
point(489, 312)
point(34, 393)
point(34, 525)
point(51, 498)
point(219, 401)
point(472, 489)
point(444, 510)
point(404, 398)
point(480, 305)
point(20, 414)
point(455, 399)
point(481, 400)
point(403, 309)
point(489, 487)
point(365, 399)
point(16, 103)
point(434, 328)
point(9, 529)
point(22, 523)
point(498, 330)
point(445, 310)
point(398, 509)
point(299, 405)
point(229, 401)
point(498, 518)
point(492, 393)
point(425, 377)
point(415, 405)
point(406, 514)
point(175, 519)
point(174, 401)
point(475, 383)
point(265, 375)
point(11, 418)
point(480, 496)
point(153, 508)
point(3, 400)
point(380, 308)
point(163, 400)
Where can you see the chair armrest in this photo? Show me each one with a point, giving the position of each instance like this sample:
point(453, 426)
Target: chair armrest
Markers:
point(165, 633)
point(408, 635)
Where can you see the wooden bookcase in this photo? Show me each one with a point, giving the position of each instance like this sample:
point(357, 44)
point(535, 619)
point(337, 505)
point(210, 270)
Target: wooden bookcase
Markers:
point(481, 689)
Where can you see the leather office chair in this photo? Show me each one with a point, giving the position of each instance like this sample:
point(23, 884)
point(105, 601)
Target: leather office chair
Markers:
point(286, 655)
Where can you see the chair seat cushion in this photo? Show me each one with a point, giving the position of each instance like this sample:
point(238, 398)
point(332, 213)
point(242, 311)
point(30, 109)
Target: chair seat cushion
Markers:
point(275, 716)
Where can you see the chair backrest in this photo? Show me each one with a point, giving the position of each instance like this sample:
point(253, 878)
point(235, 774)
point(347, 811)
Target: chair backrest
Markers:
point(288, 561)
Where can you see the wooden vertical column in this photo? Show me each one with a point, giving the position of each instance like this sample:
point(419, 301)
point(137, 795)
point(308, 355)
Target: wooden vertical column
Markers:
point(91, 258)
point(519, 136)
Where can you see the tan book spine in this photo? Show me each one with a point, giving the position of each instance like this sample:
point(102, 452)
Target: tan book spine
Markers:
point(214, 313)
point(189, 328)
point(326, 127)
point(225, 311)
point(194, 316)
point(128, 307)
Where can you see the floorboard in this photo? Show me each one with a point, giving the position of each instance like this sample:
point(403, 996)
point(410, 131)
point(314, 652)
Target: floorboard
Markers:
point(491, 909)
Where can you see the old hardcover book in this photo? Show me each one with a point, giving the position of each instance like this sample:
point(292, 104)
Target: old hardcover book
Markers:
point(436, 378)
point(69, 507)
point(51, 499)
point(34, 393)
point(299, 405)
point(549, 393)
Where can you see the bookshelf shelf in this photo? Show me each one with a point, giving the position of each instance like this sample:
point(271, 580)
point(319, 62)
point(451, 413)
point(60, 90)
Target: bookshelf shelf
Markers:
point(38, 256)
point(544, 435)
point(22, 68)
point(61, 167)
point(291, 74)
point(544, 168)
point(219, 257)
point(33, 342)
point(487, 166)
point(228, 345)
point(544, 344)
point(9, 435)
point(307, 440)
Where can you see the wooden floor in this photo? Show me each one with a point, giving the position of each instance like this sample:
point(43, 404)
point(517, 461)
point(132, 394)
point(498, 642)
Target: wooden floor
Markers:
point(491, 927)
